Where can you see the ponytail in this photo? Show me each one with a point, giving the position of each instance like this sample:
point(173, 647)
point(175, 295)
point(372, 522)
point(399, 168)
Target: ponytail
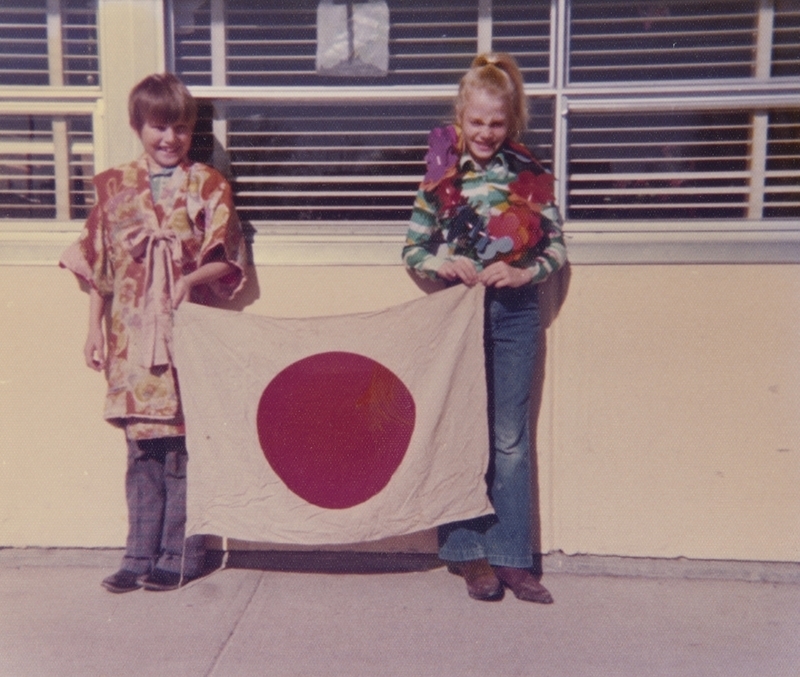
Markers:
point(500, 74)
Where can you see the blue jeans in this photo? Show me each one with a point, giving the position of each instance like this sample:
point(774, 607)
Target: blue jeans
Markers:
point(511, 337)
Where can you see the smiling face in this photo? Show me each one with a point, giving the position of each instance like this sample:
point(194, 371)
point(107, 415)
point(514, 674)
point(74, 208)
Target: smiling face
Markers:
point(484, 121)
point(166, 145)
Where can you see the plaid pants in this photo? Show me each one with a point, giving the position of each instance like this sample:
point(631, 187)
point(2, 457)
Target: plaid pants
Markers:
point(155, 488)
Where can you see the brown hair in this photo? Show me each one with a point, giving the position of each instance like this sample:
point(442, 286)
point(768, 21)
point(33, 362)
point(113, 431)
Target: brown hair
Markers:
point(498, 74)
point(161, 98)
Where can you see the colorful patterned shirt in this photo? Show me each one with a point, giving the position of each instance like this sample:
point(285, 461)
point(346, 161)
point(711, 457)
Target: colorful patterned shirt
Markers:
point(504, 211)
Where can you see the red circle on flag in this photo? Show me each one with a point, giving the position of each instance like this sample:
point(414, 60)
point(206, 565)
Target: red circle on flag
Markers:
point(335, 426)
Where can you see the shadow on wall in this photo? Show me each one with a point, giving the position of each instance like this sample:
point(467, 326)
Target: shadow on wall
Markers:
point(553, 295)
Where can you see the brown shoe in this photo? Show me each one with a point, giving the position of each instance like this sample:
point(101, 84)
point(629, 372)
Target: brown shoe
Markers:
point(482, 583)
point(523, 585)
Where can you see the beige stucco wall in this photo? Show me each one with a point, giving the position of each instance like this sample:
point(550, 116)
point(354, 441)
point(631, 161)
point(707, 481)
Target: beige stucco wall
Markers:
point(668, 424)
point(675, 428)
point(669, 420)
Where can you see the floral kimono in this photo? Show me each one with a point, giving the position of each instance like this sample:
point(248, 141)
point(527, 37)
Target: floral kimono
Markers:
point(133, 250)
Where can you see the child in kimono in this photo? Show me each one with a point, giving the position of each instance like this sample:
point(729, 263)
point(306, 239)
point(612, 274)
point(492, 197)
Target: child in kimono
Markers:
point(163, 231)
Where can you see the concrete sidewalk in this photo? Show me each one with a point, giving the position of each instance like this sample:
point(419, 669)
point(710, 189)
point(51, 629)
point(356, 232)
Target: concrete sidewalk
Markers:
point(56, 620)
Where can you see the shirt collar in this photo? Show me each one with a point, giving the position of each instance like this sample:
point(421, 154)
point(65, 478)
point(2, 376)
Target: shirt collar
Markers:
point(466, 163)
point(163, 172)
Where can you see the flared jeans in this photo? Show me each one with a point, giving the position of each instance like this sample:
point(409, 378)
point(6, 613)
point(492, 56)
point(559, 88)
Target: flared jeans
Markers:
point(512, 328)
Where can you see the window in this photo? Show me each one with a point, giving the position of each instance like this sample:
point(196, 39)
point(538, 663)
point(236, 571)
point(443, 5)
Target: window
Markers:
point(46, 166)
point(47, 47)
point(677, 113)
point(311, 150)
point(659, 41)
point(694, 99)
point(262, 43)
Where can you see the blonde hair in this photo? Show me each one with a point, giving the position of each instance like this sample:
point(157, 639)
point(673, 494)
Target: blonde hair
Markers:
point(162, 98)
point(499, 74)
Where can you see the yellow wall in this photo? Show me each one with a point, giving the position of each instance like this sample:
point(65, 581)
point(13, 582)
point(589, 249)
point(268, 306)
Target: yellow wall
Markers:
point(668, 424)
point(675, 394)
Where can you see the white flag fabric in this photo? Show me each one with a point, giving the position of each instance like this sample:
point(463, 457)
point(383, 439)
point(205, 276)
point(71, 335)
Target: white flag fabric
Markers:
point(334, 430)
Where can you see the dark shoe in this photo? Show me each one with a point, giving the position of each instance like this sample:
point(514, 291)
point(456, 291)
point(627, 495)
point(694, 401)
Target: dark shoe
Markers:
point(482, 583)
point(160, 579)
point(122, 581)
point(523, 585)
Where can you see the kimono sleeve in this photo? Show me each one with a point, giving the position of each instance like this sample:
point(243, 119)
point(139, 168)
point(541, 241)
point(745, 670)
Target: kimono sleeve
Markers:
point(88, 258)
point(223, 239)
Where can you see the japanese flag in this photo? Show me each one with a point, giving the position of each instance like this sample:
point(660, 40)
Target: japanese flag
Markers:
point(337, 429)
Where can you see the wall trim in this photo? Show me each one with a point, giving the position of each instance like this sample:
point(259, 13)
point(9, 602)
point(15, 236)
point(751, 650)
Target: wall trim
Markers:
point(394, 562)
point(587, 245)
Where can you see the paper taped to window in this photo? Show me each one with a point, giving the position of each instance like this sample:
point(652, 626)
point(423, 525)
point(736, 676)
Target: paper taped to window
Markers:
point(353, 38)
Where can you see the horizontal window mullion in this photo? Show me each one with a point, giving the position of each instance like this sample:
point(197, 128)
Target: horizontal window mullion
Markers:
point(356, 208)
point(656, 190)
point(644, 68)
point(27, 71)
point(737, 94)
point(242, 43)
point(323, 179)
point(302, 165)
point(399, 26)
point(32, 191)
point(671, 210)
point(409, 93)
point(430, 40)
point(621, 50)
point(235, 28)
point(618, 39)
point(666, 176)
point(310, 192)
point(739, 205)
point(705, 17)
point(712, 102)
point(663, 141)
point(13, 38)
point(316, 134)
point(34, 211)
point(29, 159)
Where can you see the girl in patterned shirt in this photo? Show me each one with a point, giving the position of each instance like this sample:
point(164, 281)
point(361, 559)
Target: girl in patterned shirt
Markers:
point(485, 214)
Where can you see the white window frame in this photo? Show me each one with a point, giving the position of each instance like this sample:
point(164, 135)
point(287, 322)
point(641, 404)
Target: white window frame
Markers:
point(41, 241)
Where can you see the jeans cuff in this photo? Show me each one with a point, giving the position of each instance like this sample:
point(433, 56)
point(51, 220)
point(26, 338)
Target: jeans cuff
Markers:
point(513, 562)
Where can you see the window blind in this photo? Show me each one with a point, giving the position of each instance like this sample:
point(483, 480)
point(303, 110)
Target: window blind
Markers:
point(46, 167)
point(81, 165)
point(327, 163)
point(23, 43)
point(687, 165)
point(312, 163)
point(357, 161)
point(54, 51)
point(786, 39)
point(270, 43)
point(652, 41)
point(782, 189)
point(79, 40)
